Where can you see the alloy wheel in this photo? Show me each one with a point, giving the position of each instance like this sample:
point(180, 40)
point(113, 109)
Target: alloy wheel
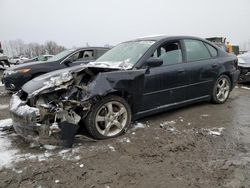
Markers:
point(223, 89)
point(111, 118)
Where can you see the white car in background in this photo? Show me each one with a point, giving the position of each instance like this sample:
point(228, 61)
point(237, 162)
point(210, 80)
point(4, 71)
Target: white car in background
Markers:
point(17, 60)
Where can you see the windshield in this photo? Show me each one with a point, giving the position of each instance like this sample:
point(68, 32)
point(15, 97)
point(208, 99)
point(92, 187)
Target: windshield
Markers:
point(128, 52)
point(61, 55)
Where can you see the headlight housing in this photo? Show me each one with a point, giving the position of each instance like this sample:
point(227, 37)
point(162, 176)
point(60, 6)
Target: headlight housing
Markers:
point(58, 80)
point(9, 72)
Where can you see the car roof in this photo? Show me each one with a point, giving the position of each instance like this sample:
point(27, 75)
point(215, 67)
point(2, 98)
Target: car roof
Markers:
point(90, 48)
point(165, 37)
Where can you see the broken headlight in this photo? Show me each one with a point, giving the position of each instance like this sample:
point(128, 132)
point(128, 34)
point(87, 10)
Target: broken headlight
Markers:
point(58, 80)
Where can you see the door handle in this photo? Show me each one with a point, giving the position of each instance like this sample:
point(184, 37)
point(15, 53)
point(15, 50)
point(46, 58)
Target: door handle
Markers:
point(214, 65)
point(181, 71)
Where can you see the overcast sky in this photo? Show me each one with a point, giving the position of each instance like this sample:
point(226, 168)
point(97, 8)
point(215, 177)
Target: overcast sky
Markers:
point(99, 22)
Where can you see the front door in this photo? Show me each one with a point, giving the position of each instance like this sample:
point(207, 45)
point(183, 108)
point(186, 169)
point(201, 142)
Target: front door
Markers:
point(165, 85)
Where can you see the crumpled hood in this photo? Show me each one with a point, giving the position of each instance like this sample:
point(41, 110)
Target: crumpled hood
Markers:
point(55, 78)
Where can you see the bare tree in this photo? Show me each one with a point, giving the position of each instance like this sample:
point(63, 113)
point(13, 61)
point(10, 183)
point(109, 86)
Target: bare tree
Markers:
point(18, 47)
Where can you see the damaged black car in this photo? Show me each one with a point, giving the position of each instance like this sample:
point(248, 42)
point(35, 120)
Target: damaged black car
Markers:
point(134, 79)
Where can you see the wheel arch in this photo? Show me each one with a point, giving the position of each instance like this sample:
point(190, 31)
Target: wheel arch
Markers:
point(125, 95)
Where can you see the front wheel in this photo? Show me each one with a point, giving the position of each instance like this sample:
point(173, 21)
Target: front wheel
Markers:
point(108, 118)
point(221, 89)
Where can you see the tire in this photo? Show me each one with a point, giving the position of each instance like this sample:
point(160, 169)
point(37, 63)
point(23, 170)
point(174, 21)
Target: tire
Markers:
point(108, 118)
point(221, 89)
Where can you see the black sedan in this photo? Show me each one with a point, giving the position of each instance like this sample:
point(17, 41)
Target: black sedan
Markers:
point(244, 66)
point(14, 77)
point(134, 79)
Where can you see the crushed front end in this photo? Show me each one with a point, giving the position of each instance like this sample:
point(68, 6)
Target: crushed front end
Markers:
point(51, 114)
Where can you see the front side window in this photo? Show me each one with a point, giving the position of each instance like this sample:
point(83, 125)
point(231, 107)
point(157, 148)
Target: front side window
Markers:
point(196, 50)
point(170, 53)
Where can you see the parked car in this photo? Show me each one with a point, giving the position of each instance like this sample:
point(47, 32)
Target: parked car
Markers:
point(39, 58)
point(134, 79)
point(17, 59)
point(14, 77)
point(244, 66)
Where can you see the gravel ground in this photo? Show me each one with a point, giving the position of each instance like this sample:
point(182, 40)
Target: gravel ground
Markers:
point(203, 145)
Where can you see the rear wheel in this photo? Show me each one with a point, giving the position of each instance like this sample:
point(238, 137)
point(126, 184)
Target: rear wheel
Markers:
point(108, 118)
point(221, 89)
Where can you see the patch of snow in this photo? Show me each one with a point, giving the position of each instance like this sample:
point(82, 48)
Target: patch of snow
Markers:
point(7, 154)
point(138, 125)
point(17, 171)
point(215, 131)
point(1, 84)
point(50, 147)
point(244, 87)
point(204, 115)
point(125, 140)
point(5, 123)
point(111, 148)
point(167, 123)
point(169, 126)
point(81, 165)
point(57, 181)
point(77, 158)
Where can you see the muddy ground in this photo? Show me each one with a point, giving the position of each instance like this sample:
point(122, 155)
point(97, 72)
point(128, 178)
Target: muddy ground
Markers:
point(203, 145)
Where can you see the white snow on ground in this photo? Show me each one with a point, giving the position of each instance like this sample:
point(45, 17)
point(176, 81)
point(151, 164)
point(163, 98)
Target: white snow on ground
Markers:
point(204, 115)
point(137, 125)
point(127, 140)
point(7, 154)
point(1, 84)
point(169, 125)
point(5, 123)
point(111, 148)
point(215, 131)
point(244, 87)
point(4, 106)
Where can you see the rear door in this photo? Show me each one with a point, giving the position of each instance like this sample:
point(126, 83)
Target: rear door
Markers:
point(202, 68)
point(165, 84)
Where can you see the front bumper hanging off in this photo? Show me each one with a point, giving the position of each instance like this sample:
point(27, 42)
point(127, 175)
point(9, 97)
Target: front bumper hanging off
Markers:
point(26, 123)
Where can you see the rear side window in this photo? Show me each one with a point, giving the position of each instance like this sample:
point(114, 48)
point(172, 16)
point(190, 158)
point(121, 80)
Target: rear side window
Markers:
point(196, 50)
point(212, 50)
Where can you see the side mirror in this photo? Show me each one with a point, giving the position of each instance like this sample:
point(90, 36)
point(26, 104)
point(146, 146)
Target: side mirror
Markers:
point(154, 62)
point(66, 62)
